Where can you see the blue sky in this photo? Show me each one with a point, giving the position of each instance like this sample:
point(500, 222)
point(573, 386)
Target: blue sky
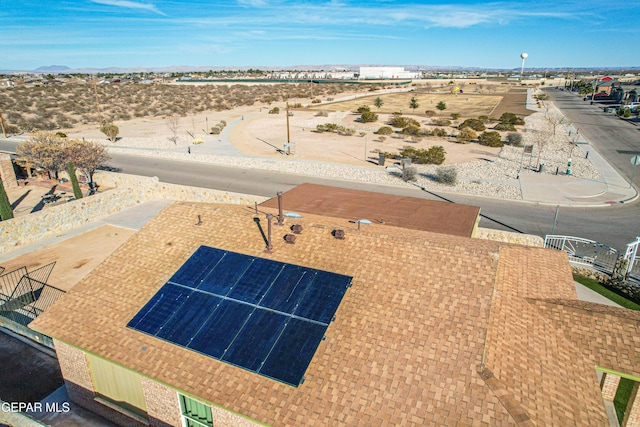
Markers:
point(158, 33)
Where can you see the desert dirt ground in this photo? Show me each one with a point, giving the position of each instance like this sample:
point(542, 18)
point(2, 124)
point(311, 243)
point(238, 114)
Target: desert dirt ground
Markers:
point(262, 134)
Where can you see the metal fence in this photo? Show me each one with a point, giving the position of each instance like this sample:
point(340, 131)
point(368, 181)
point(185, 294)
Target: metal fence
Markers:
point(631, 255)
point(25, 295)
point(584, 251)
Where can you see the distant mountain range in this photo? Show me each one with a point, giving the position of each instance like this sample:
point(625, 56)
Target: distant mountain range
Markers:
point(63, 69)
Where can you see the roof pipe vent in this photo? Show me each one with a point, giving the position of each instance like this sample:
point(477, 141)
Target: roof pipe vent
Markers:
point(290, 238)
point(280, 216)
point(296, 228)
point(269, 245)
point(338, 234)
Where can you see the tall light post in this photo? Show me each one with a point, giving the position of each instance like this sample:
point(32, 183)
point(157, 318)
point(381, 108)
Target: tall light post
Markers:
point(524, 56)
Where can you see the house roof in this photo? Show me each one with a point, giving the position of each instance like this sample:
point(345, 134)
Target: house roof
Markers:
point(399, 211)
point(436, 329)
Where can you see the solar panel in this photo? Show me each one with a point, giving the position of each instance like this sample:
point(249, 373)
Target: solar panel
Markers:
point(265, 316)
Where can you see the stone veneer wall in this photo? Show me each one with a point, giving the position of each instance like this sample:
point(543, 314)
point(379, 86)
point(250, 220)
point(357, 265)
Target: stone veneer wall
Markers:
point(120, 192)
point(7, 173)
point(509, 237)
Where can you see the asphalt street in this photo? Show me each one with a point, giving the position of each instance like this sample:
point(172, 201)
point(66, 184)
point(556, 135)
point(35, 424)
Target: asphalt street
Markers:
point(612, 225)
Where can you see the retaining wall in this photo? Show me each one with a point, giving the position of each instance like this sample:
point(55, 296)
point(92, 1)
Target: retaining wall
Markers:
point(118, 192)
point(509, 237)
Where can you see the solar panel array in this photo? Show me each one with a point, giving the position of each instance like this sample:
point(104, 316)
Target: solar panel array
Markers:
point(265, 316)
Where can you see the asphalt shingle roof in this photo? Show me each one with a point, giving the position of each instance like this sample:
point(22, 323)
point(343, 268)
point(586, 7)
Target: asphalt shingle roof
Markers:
point(435, 330)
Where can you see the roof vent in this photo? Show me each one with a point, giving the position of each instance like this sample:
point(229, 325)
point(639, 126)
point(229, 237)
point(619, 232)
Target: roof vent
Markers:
point(290, 238)
point(338, 234)
point(296, 228)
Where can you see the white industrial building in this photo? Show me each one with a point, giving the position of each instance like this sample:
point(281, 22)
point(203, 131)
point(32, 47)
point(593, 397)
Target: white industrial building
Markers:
point(387, 73)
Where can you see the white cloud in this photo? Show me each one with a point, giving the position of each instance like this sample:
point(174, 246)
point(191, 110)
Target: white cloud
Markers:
point(130, 5)
point(253, 3)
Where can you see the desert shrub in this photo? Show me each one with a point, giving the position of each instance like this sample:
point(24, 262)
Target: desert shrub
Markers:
point(514, 139)
point(504, 126)
point(368, 117)
point(335, 128)
point(61, 134)
point(197, 141)
point(447, 175)
point(490, 139)
point(381, 138)
point(483, 118)
point(440, 132)
point(215, 130)
point(441, 106)
point(322, 114)
point(455, 116)
point(541, 96)
point(511, 118)
point(274, 110)
point(409, 173)
point(296, 105)
point(434, 155)
point(110, 130)
point(361, 109)
point(430, 113)
point(441, 122)
point(411, 130)
point(475, 124)
point(385, 130)
point(403, 122)
point(467, 134)
point(316, 101)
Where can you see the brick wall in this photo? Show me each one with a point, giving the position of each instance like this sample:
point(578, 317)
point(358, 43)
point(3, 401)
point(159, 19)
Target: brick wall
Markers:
point(77, 378)
point(632, 416)
point(163, 406)
point(610, 386)
point(223, 418)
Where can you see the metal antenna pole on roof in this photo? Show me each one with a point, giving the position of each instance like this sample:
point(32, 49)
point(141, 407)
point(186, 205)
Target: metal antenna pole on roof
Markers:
point(280, 216)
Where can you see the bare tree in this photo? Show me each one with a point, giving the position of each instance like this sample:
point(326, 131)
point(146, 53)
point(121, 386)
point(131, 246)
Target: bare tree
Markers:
point(87, 156)
point(173, 123)
point(555, 121)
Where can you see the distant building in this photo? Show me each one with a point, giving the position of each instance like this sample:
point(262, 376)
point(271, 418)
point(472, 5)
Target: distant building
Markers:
point(382, 73)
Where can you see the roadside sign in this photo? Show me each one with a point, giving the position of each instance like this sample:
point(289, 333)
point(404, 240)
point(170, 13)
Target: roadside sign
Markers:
point(528, 149)
point(635, 161)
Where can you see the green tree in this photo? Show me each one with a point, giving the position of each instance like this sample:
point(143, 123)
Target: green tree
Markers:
point(413, 104)
point(71, 170)
point(378, 102)
point(110, 130)
point(361, 109)
point(441, 106)
point(6, 212)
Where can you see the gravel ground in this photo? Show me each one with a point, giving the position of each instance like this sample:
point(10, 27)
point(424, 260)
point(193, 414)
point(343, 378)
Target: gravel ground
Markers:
point(496, 177)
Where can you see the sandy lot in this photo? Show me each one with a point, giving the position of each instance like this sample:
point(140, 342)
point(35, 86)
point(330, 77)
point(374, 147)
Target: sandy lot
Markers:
point(262, 134)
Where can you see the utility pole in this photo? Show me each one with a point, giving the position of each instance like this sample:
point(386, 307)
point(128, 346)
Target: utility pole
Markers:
point(288, 133)
point(95, 89)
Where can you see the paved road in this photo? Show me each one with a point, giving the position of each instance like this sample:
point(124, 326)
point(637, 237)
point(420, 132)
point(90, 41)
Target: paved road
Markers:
point(614, 226)
point(615, 139)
